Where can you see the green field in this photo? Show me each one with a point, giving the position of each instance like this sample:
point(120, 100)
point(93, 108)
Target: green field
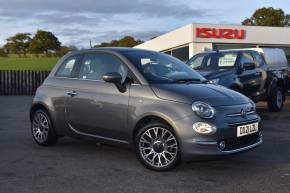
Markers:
point(28, 63)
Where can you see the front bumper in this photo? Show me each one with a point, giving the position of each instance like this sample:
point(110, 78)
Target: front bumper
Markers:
point(193, 150)
point(196, 146)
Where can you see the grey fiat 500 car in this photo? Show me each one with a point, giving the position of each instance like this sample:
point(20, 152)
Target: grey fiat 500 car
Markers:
point(148, 100)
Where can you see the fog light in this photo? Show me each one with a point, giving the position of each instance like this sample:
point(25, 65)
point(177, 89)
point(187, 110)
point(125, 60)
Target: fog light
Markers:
point(204, 128)
point(222, 145)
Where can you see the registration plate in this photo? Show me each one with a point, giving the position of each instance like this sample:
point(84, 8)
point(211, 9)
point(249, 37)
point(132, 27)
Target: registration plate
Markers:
point(247, 129)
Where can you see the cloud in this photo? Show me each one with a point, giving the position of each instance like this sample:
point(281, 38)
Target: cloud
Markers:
point(113, 34)
point(65, 18)
point(77, 22)
point(81, 37)
point(159, 8)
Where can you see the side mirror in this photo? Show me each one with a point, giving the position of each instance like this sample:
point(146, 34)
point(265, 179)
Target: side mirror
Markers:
point(240, 69)
point(249, 66)
point(245, 66)
point(116, 78)
point(129, 80)
point(112, 77)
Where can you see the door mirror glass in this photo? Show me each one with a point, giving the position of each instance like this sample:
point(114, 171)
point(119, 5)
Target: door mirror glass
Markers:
point(112, 77)
point(248, 66)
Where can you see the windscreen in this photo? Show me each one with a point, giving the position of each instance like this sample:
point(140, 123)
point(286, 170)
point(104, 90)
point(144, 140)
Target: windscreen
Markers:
point(162, 68)
point(213, 61)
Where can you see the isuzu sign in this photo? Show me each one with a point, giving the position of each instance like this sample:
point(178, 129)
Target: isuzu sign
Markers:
point(219, 33)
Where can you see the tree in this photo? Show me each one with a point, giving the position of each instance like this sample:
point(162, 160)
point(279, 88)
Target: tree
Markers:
point(3, 52)
point(18, 43)
point(64, 50)
point(43, 42)
point(103, 44)
point(7, 48)
point(126, 41)
point(268, 16)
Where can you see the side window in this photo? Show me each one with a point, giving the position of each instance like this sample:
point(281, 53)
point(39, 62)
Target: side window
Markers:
point(196, 62)
point(258, 59)
point(66, 67)
point(247, 61)
point(94, 66)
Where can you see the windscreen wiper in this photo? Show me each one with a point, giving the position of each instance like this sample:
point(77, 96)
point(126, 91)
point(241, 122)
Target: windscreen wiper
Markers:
point(205, 81)
point(187, 80)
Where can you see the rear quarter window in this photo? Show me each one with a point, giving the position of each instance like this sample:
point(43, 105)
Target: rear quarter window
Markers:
point(66, 68)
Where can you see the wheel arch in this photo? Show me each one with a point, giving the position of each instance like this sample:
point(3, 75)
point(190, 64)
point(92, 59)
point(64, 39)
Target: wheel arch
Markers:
point(37, 106)
point(281, 83)
point(236, 87)
point(149, 118)
point(277, 82)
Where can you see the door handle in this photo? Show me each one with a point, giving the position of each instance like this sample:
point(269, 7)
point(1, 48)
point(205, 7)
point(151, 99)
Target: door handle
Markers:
point(72, 93)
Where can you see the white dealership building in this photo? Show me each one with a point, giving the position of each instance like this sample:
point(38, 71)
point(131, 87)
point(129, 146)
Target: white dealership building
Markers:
point(186, 41)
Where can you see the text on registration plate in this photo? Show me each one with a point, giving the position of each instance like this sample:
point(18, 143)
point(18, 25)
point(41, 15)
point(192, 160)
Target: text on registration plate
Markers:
point(247, 129)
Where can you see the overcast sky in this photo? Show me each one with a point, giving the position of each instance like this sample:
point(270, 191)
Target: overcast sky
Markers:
point(76, 22)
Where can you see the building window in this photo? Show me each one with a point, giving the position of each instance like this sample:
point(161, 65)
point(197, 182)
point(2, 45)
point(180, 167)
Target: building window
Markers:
point(233, 46)
point(168, 52)
point(181, 53)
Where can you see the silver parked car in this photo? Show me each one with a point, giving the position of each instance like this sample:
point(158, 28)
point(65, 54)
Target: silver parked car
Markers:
point(144, 99)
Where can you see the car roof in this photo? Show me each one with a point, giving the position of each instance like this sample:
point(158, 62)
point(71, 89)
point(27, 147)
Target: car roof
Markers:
point(260, 50)
point(112, 49)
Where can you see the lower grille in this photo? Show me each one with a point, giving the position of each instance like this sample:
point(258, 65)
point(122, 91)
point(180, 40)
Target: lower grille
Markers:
point(240, 142)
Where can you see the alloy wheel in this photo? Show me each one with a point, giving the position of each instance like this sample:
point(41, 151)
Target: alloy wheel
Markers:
point(279, 99)
point(40, 127)
point(158, 147)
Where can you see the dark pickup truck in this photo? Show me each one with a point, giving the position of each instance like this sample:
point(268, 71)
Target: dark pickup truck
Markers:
point(259, 73)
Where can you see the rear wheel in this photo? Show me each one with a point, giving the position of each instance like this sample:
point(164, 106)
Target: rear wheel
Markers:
point(157, 147)
point(42, 129)
point(276, 101)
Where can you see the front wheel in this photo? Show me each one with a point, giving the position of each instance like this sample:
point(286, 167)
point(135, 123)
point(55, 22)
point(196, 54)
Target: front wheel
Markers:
point(42, 129)
point(275, 101)
point(157, 147)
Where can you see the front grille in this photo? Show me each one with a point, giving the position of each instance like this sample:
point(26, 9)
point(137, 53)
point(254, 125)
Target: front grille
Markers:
point(240, 142)
point(243, 122)
point(240, 111)
point(240, 115)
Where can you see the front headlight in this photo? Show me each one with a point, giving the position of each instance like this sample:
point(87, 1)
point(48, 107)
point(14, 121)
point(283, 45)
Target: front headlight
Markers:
point(253, 105)
point(203, 110)
point(204, 128)
point(214, 81)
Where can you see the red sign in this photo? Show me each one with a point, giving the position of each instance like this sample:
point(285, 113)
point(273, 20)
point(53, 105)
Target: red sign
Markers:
point(219, 33)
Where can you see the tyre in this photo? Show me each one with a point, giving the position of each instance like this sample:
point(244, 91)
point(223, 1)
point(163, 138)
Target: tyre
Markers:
point(42, 129)
point(157, 147)
point(275, 101)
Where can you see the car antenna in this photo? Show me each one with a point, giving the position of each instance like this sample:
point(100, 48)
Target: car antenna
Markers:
point(91, 44)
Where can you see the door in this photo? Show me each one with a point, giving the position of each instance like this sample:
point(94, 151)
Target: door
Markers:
point(261, 68)
point(97, 108)
point(250, 77)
